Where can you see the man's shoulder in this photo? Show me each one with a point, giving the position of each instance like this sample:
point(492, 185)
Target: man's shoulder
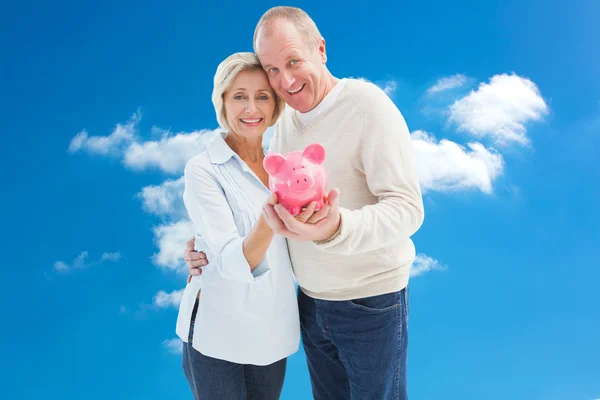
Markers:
point(366, 95)
point(363, 88)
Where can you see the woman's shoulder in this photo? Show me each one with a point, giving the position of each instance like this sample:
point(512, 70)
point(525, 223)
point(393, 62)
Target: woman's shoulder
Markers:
point(200, 162)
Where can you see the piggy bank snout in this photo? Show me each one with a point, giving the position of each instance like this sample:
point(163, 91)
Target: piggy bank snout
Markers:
point(301, 182)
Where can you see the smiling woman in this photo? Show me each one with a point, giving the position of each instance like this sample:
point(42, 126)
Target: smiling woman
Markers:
point(230, 314)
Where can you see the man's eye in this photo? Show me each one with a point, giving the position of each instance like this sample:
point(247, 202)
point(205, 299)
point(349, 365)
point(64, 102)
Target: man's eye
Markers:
point(293, 62)
point(272, 70)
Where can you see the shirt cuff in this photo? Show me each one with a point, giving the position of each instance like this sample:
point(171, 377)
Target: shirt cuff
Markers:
point(234, 265)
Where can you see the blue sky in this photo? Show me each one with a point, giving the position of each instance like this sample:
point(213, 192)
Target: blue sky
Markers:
point(103, 103)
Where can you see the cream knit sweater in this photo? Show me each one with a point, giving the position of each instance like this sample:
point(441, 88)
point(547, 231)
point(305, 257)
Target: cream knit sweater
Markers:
point(369, 157)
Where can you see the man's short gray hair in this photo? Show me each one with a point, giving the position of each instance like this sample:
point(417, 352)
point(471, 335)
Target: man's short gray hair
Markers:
point(227, 70)
point(301, 20)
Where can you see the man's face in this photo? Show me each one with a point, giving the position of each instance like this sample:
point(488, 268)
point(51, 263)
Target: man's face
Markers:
point(296, 70)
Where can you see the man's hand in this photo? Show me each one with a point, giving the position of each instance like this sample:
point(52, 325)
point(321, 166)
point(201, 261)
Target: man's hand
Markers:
point(194, 259)
point(308, 225)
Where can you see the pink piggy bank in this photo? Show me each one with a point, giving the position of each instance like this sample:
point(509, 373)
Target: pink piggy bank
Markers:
point(298, 177)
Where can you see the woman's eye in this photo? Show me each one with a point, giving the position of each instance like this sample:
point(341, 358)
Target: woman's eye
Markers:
point(238, 97)
point(264, 97)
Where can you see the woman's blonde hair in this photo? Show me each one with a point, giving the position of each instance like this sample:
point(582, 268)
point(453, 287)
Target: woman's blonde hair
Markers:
point(226, 73)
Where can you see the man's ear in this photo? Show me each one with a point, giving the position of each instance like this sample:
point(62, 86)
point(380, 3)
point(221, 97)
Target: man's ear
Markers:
point(322, 51)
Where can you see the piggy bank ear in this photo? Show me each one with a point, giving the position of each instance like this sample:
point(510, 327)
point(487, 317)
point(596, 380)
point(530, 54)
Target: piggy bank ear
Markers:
point(273, 163)
point(314, 152)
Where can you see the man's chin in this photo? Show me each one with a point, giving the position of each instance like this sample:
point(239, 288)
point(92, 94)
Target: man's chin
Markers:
point(299, 106)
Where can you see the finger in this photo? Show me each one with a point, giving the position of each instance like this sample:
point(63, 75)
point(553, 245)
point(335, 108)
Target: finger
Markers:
point(202, 262)
point(307, 212)
point(319, 215)
point(190, 244)
point(333, 197)
point(276, 223)
point(195, 271)
point(195, 255)
point(288, 219)
point(189, 278)
point(273, 199)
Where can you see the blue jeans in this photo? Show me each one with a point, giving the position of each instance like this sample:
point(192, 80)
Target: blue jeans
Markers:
point(356, 349)
point(213, 379)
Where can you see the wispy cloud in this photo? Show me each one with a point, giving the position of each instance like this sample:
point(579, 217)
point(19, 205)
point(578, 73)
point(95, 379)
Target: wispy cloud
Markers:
point(447, 83)
point(448, 166)
point(423, 263)
point(111, 257)
point(500, 109)
point(174, 346)
point(169, 153)
point(61, 266)
point(115, 143)
point(163, 299)
point(389, 87)
point(81, 261)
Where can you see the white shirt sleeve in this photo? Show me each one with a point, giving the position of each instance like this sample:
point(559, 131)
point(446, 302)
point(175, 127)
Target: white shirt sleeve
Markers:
point(213, 219)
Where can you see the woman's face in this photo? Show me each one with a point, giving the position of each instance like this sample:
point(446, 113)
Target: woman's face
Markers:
point(249, 104)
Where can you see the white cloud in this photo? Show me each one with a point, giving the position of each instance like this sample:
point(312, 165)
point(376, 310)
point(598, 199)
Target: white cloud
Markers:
point(78, 141)
point(499, 109)
point(447, 83)
point(447, 166)
point(60, 266)
point(389, 87)
point(111, 256)
point(174, 346)
point(163, 299)
point(170, 240)
point(168, 154)
point(81, 261)
point(120, 138)
point(165, 200)
point(423, 263)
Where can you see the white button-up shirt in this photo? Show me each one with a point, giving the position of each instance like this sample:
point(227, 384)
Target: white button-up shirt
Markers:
point(246, 317)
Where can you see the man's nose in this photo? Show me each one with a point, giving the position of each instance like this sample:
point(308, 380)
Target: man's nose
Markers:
point(287, 80)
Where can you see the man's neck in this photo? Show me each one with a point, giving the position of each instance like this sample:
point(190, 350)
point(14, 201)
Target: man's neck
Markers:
point(330, 82)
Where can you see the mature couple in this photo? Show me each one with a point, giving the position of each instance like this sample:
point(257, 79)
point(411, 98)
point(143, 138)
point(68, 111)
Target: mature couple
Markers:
point(241, 315)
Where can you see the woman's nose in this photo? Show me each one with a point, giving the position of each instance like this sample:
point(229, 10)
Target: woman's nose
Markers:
point(250, 107)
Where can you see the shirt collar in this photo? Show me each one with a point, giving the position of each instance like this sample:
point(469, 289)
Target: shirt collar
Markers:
point(218, 150)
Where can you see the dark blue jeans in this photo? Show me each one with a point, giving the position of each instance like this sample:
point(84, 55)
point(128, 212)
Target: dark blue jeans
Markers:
point(213, 379)
point(356, 349)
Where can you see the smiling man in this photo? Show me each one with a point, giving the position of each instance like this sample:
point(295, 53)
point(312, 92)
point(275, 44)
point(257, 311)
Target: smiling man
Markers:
point(352, 266)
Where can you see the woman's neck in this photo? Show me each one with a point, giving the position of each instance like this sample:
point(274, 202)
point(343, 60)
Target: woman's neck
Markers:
point(249, 150)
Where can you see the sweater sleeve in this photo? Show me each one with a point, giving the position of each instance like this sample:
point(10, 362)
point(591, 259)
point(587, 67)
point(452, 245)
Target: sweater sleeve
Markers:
point(390, 170)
